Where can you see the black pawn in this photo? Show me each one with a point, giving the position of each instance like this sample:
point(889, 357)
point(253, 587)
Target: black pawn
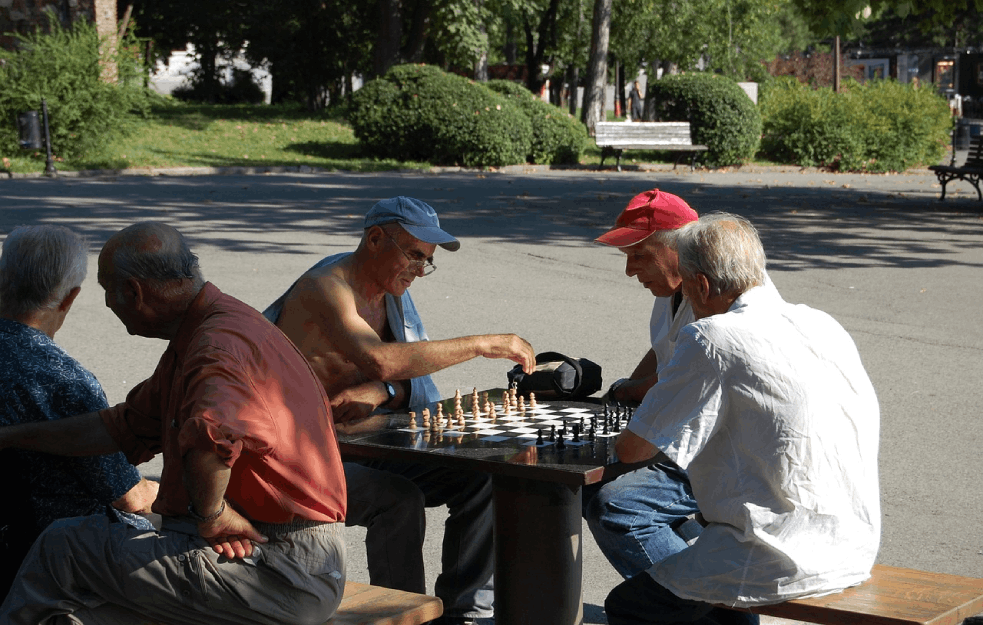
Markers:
point(581, 423)
point(605, 430)
point(591, 436)
point(576, 434)
point(559, 442)
point(617, 425)
point(539, 437)
point(552, 433)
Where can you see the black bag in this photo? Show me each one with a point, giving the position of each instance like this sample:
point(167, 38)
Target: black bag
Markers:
point(558, 377)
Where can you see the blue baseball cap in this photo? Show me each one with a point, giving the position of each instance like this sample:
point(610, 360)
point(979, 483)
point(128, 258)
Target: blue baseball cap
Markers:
point(416, 217)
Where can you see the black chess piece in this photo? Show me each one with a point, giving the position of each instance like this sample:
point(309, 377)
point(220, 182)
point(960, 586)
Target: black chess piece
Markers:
point(552, 433)
point(576, 434)
point(617, 425)
point(581, 422)
point(559, 442)
point(591, 436)
point(539, 437)
point(605, 430)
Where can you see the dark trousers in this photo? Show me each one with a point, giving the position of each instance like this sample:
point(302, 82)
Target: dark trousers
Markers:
point(642, 601)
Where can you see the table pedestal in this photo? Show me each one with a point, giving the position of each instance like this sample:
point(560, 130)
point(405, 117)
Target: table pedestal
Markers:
point(538, 553)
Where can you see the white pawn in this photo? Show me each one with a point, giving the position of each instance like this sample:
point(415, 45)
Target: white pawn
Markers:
point(412, 420)
point(426, 418)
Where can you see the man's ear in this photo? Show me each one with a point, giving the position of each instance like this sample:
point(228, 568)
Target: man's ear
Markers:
point(702, 288)
point(135, 293)
point(374, 237)
point(66, 304)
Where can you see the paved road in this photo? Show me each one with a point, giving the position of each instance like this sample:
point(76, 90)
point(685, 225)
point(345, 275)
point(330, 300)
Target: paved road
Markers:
point(900, 270)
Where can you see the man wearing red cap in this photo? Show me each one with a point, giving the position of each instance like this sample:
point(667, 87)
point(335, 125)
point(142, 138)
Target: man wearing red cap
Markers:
point(633, 518)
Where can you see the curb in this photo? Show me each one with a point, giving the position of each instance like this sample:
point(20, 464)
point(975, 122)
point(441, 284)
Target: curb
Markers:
point(151, 172)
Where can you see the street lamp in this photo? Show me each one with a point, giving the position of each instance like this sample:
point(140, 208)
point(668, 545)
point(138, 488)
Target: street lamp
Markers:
point(30, 135)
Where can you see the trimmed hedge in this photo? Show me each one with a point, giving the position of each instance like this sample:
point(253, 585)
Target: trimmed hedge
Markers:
point(878, 126)
point(557, 136)
point(64, 68)
point(721, 115)
point(418, 112)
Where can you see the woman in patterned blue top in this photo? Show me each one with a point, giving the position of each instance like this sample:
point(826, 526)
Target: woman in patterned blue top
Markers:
point(41, 272)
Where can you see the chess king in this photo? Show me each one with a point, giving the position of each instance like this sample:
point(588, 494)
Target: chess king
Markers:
point(352, 316)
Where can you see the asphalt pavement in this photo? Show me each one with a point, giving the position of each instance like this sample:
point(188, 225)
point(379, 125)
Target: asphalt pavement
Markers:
point(896, 267)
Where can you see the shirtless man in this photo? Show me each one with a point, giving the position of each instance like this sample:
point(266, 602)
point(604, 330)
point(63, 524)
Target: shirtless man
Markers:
point(351, 315)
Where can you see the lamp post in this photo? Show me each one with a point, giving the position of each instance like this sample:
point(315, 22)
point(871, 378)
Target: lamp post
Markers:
point(30, 135)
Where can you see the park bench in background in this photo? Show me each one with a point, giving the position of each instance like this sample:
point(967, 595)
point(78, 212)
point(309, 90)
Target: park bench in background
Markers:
point(892, 596)
point(971, 171)
point(371, 605)
point(615, 137)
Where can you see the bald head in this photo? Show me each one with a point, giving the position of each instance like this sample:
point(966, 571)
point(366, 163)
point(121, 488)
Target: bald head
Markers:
point(152, 252)
point(151, 278)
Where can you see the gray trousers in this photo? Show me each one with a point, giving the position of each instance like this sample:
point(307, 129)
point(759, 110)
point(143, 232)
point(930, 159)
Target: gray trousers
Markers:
point(88, 570)
point(389, 498)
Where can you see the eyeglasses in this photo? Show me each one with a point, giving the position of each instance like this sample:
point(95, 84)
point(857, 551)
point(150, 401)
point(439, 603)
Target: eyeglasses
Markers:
point(425, 266)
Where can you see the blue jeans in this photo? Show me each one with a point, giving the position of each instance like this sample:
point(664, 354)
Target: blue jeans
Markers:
point(388, 499)
point(633, 517)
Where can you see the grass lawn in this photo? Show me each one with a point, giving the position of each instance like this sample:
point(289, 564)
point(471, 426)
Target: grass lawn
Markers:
point(198, 135)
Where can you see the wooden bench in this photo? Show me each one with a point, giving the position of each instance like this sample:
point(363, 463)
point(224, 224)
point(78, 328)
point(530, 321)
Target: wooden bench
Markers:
point(371, 605)
point(970, 171)
point(892, 596)
point(615, 137)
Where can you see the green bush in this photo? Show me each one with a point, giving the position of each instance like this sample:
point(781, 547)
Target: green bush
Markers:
point(418, 112)
point(721, 115)
point(557, 137)
point(878, 126)
point(64, 68)
point(242, 88)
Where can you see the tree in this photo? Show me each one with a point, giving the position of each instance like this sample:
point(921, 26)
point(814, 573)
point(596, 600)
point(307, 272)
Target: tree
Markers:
point(844, 17)
point(597, 68)
point(213, 27)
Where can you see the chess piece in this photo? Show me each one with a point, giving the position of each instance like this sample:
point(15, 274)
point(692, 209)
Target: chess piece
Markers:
point(412, 420)
point(426, 418)
point(539, 437)
point(591, 436)
point(559, 442)
point(552, 433)
point(532, 400)
point(576, 433)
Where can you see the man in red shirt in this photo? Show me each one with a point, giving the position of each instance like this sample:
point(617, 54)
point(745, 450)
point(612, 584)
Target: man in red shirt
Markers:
point(252, 491)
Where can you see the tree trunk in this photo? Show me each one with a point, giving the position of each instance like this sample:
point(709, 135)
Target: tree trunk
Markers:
point(648, 107)
point(619, 90)
point(388, 40)
point(573, 77)
point(597, 66)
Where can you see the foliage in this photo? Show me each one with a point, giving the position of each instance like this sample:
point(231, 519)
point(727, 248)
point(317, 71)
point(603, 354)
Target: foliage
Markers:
point(846, 17)
point(726, 36)
point(721, 116)
point(557, 137)
point(878, 126)
point(242, 89)
point(418, 112)
point(64, 68)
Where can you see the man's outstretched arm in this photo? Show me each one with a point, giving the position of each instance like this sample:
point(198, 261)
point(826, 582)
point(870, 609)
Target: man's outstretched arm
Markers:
point(81, 435)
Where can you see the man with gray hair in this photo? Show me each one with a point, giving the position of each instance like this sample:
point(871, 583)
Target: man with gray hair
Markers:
point(41, 273)
point(767, 407)
point(252, 491)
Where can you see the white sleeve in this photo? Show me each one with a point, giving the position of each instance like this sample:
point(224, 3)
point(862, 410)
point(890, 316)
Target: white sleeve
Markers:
point(679, 413)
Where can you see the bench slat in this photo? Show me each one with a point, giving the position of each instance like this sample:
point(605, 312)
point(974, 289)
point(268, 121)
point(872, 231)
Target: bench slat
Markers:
point(892, 596)
point(363, 604)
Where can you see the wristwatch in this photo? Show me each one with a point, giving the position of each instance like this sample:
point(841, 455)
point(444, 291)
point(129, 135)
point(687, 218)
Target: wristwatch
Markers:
point(390, 392)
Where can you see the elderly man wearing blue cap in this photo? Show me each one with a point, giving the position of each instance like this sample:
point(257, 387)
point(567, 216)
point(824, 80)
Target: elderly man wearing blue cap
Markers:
point(351, 315)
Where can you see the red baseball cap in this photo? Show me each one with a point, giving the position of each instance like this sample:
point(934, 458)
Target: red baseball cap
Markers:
point(646, 213)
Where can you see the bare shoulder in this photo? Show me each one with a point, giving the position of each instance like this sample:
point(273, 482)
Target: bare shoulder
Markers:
point(325, 287)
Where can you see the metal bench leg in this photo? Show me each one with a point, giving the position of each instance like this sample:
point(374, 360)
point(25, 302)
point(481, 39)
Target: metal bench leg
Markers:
point(619, 159)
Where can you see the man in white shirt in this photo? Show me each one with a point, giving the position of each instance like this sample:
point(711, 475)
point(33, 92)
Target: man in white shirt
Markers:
point(633, 517)
point(768, 408)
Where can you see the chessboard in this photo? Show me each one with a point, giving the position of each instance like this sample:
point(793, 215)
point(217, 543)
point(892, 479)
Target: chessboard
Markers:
point(510, 417)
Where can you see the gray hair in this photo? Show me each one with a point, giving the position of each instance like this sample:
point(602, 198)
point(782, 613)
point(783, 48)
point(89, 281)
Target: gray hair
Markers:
point(726, 249)
point(39, 267)
point(156, 253)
